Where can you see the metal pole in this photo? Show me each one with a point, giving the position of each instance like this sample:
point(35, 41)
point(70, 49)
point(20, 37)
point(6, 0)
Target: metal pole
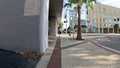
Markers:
point(108, 28)
point(66, 21)
point(112, 24)
point(66, 27)
point(73, 30)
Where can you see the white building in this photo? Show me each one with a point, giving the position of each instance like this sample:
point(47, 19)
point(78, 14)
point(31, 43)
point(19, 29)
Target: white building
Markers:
point(73, 20)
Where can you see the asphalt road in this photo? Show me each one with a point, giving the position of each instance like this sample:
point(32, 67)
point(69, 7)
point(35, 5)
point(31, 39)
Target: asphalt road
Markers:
point(109, 41)
point(9, 59)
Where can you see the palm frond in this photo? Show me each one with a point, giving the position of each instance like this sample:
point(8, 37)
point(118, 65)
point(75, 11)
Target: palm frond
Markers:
point(93, 1)
point(75, 8)
point(67, 5)
point(89, 3)
point(74, 1)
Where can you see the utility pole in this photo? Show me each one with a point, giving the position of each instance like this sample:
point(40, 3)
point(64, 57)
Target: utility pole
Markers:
point(66, 19)
point(66, 26)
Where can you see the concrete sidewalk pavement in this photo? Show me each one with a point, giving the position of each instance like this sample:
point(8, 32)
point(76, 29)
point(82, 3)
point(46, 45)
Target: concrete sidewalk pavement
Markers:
point(84, 54)
point(69, 53)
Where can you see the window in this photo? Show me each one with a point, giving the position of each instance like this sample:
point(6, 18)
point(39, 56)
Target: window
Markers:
point(97, 9)
point(96, 24)
point(109, 25)
point(114, 19)
point(104, 19)
point(104, 9)
point(117, 19)
point(100, 19)
point(104, 15)
point(105, 24)
point(100, 24)
point(110, 20)
point(112, 11)
point(111, 17)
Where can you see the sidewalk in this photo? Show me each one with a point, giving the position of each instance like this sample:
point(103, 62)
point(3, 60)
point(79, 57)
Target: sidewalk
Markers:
point(69, 53)
point(86, 55)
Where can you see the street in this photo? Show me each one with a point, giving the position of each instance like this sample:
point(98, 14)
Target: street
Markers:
point(108, 41)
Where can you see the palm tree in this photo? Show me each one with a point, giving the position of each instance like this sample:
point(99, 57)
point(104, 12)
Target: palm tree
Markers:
point(116, 27)
point(88, 3)
point(60, 25)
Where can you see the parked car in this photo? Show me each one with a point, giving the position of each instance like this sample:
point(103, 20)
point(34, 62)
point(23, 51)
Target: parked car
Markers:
point(59, 31)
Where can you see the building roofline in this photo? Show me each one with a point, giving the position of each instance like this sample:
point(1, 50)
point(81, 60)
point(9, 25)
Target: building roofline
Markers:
point(107, 5)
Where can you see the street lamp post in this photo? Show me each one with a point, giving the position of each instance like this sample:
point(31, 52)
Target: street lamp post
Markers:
point(66, 20)
point(71, 20)
point(93, 24)
point(73, 30)
point(108, 27)
point(66, 26)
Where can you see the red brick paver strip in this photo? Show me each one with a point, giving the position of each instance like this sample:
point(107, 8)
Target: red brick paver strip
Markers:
point(55, 61)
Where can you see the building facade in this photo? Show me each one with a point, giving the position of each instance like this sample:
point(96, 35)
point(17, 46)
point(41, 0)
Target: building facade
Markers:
point(73, 20)
point(24, 23)
point(102, 18)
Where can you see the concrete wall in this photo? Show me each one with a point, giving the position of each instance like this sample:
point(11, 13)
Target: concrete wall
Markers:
point(53, 27)
point(11, 7)
point(43, 25)
point(18, 32)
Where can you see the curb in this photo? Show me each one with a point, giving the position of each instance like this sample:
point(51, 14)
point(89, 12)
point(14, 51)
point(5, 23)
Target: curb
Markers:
point(44, 60)
point(106, 48)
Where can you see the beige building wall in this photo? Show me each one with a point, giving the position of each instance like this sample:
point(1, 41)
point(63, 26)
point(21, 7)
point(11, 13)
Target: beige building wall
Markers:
point(101, 18)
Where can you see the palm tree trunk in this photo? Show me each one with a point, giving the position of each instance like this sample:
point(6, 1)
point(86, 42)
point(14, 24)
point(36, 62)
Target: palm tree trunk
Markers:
point(117, 31)
point(79, 37)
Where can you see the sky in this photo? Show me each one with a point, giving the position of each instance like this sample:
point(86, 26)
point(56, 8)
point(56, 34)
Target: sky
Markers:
point(114, 3)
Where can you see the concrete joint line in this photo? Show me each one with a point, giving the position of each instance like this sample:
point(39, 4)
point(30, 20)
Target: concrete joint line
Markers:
point(106, 48)
point(69, 46)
